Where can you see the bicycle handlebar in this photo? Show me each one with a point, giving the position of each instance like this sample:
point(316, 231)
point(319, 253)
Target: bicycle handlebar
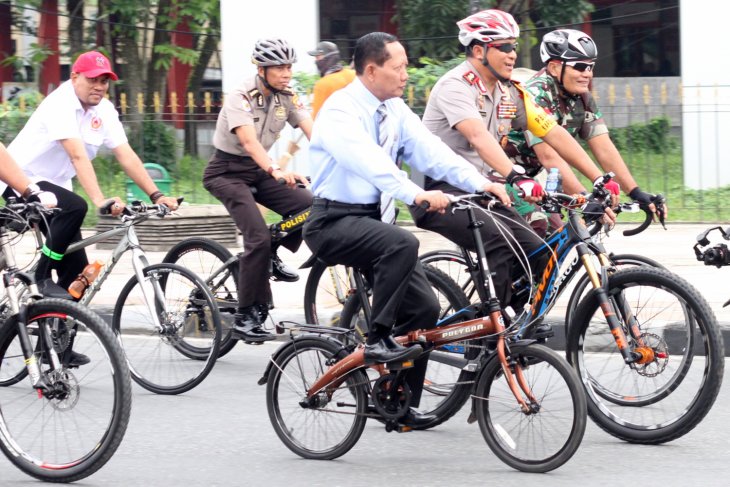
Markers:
point(137, 207)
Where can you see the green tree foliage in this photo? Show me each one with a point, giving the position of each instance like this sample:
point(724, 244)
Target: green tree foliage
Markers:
point(428, 27)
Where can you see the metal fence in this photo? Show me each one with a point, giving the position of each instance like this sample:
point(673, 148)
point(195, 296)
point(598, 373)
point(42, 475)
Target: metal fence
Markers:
point(645, 115)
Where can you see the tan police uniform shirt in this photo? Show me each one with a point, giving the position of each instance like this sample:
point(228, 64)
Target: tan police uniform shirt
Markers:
point(247, 105)
point(460, 95)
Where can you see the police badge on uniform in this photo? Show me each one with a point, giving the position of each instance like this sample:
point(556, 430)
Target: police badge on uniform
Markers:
point(246, 106)
point(280, 113)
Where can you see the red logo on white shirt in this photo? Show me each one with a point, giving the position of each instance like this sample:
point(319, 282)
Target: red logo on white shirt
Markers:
point(96, 123)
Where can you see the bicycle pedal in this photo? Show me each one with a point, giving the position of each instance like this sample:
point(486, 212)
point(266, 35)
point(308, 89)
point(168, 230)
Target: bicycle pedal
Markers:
point(399, 365)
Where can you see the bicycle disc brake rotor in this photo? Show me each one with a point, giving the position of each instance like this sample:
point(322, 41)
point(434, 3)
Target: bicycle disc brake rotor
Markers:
point(388, 403)
point(661, 355)
point(66, 390)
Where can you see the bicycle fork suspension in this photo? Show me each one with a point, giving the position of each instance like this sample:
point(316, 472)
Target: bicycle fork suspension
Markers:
point(609, 311)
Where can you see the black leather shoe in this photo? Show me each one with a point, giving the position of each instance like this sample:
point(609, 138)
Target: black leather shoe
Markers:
point(247, 327)
point(542, 331)
point(78, 359)
point(379, 352)
point(393, 345)
point(50, 289)
point(417, 420)
point(281, 271)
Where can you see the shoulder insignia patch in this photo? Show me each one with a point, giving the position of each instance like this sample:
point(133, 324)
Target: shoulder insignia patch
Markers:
point(470, 77)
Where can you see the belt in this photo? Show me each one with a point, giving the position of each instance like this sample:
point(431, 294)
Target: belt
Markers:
point(325, 203)
point(219, 154)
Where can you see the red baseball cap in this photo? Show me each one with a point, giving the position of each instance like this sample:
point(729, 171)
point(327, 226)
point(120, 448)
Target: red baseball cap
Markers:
point(92, 64)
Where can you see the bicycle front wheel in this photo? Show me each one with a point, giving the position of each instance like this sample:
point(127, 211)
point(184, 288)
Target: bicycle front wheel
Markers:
point(323, 427)
point(70, 434)
point(583, 286)
point(671, 392)
point(169, 327)
point(547, 436)
point(207, 258)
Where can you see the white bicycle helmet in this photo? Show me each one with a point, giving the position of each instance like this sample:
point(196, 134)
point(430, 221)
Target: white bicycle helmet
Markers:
point(567, 45)
point(273, 52)
point(487, 26)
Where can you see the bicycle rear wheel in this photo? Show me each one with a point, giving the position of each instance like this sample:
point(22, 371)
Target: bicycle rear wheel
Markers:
point(178, 356)
point(72, 435)
point(206, 258)
point(446, 385)
point(331, 423)
point(325, 293)
point(546, 438)
point(666, 397)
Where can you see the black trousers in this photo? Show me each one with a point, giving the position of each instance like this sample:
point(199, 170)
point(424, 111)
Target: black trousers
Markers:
point(500, 258)
point(230, 178)
point(63, 229)
point(354, 236)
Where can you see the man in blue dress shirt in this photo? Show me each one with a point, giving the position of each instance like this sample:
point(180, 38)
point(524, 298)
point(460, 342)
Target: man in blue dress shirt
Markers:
point(355, 142)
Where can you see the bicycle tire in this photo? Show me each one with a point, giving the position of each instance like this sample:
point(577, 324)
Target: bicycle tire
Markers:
point(205, 256)
point(324, 299)
point(296, 425)
point(191, 330)
point(675, 320)
point(12, 368)
point(453, 264)
point(582, 286)
point(556, 429)
point(447, 387)
point(67, 438)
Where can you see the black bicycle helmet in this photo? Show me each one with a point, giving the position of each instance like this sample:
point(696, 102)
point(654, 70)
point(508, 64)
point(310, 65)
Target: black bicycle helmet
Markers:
point(567, 45)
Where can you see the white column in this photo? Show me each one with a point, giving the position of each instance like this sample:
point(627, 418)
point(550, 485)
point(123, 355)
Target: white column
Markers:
point(706, 92)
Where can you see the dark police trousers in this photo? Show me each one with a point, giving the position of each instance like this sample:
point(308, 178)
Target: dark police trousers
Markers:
point(229, 178)
point(502, 262)
point(353, 235)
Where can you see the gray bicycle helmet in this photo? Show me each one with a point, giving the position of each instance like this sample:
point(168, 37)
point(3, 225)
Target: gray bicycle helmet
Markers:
point(567, 45)
point(273, 52)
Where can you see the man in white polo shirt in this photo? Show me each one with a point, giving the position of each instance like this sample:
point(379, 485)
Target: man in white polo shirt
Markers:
point(59, 141)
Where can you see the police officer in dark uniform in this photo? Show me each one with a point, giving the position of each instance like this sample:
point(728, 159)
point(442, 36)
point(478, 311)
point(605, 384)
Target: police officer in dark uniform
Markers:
point(249, 123)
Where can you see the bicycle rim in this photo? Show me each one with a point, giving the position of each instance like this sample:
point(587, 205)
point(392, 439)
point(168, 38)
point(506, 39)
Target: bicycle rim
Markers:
point(666, 397)
point(71, 436)
point(206, 257)
point(179, 356)
point(325, 293)
point(328, 429)
point(549, 437)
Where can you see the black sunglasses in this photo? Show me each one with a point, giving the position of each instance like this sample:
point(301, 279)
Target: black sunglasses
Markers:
point(580, 66)
point(505, 48)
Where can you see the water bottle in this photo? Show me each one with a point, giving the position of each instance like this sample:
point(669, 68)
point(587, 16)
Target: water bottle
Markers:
point(77, 288)
point(554, 183)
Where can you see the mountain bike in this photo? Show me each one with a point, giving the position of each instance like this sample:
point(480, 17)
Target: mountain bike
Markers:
point(64, 422)
point(165, 318)
point(460, 267)
point(526, 399)
point(643, 340)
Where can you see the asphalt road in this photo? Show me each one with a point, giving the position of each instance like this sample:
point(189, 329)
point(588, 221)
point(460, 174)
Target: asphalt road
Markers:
point(220, 434)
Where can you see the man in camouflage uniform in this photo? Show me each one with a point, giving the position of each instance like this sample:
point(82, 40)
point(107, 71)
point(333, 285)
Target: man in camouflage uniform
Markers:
point(249, 123)
point(472, 108)
point(562, 88)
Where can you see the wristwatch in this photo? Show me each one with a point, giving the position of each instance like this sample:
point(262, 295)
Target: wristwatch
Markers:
point(272, 168)
point(32, 188)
